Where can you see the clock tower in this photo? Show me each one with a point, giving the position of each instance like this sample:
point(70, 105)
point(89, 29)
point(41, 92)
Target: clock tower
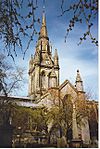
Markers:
point(43, 68)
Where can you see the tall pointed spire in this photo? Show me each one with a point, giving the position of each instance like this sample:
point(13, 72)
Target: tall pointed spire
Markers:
point(43, 62)
point(43, 31)
point(79, 82)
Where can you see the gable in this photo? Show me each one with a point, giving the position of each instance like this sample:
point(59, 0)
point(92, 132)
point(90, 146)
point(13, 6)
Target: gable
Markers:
point(67, 88)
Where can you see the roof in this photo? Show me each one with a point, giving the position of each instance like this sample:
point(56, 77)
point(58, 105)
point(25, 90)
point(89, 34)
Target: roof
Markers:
point(17, 98)
point(65, 83)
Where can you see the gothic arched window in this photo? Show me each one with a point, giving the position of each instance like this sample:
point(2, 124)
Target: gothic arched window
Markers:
point(32, 83)
point(52, 80)
point(43, 81)
point(49, 80)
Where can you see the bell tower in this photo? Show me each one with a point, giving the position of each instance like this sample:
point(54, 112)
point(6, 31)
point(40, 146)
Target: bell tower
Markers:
point(43, 67)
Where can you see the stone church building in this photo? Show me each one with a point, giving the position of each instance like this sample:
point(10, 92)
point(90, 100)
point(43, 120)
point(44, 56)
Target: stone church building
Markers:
point(44, 84)
point(45, 89)
point(43, 67)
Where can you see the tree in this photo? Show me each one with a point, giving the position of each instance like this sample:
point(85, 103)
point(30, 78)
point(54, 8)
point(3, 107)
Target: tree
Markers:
point(81, 109)
point(60, 117)
point(93, 119)
point(82, 11)
point(30, 120)
point(14, 25)
point(61, 114)
point(10, 81)
point(10, 77)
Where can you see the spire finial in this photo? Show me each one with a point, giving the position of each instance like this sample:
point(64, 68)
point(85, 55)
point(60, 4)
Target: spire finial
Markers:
point(43, 6)
point(43, 11)
point(79, 82)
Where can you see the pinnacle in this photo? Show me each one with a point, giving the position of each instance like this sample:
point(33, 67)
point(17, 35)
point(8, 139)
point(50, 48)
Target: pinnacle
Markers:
point(78, 77)
point(43, 19)
point(56, 54)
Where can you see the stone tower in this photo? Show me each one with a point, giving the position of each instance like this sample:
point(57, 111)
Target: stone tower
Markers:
point(43, 68)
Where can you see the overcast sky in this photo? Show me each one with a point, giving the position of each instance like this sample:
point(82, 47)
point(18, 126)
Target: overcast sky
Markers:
point(71, 56)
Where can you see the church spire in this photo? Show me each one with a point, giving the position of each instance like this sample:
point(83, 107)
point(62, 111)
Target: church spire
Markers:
point(43, 40)
point(43, 31)
point(43, 70)
point(79, 82)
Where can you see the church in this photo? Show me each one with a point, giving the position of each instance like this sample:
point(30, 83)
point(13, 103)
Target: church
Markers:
point(44, 88)
point(44, 84)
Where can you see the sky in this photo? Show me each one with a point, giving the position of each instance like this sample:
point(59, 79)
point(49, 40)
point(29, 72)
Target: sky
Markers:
point(71, 56)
